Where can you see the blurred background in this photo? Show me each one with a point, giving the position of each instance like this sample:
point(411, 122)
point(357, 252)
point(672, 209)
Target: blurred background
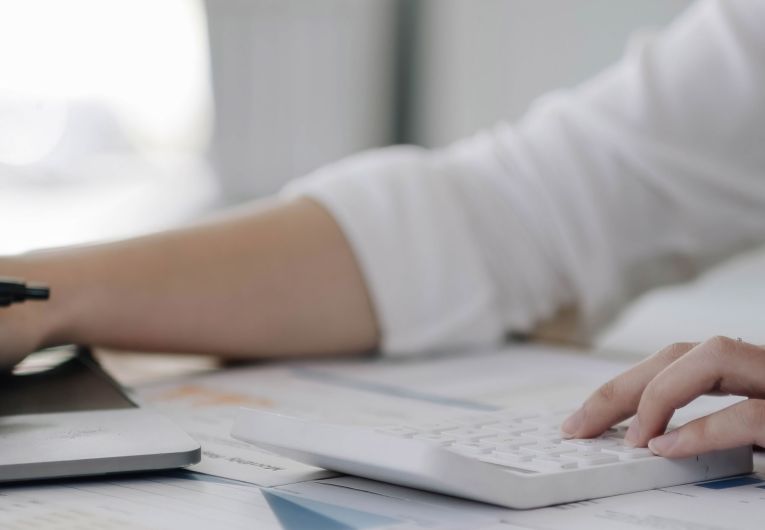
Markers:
point(120, 117)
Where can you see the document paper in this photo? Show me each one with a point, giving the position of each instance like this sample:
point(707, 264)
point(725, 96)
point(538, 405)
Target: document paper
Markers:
point(226, 494)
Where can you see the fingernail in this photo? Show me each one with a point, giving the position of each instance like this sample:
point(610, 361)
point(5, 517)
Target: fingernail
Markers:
point(572, 424)
point(633, 433)
point(661, 444)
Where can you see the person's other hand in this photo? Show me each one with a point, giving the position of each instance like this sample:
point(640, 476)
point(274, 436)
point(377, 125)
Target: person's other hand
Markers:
point(21, 333)
point(653, 389)
point(28, 326)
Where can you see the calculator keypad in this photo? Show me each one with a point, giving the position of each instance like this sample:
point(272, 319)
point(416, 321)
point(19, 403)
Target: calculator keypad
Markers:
point(525, 442)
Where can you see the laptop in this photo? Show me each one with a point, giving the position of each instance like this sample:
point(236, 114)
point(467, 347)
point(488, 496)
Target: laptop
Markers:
point(61, 415)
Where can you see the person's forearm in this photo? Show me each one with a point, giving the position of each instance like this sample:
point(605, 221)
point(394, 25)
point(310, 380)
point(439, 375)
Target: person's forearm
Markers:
point(278, 279)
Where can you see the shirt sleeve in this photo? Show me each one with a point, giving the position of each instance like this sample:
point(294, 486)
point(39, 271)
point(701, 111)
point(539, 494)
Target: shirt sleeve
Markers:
point(646, 174)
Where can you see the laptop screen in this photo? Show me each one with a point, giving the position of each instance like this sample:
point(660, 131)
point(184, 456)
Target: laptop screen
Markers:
point(75, 384)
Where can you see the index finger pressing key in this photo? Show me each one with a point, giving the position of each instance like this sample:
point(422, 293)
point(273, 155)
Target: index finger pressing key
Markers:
point(718, 364)
point(618, 399)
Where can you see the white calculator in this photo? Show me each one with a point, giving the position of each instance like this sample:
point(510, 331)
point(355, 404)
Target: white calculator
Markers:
point(512, 460)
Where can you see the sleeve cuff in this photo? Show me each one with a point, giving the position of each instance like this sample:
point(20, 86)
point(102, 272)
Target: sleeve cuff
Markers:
point(405, 224)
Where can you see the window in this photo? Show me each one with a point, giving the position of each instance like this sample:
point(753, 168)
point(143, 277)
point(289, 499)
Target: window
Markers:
point(105, 111)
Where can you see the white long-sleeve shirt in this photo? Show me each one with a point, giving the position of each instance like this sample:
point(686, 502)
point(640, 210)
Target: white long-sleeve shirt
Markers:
point(646, 174)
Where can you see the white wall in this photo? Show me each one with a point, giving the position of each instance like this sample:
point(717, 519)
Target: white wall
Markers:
point(301, 83)
point(297, 84)
point(482, 60)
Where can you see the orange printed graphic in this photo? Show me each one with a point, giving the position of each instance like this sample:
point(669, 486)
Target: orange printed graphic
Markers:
point(199, 396)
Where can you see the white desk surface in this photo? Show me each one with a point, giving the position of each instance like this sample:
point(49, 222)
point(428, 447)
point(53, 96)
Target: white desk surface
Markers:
point(222, 494)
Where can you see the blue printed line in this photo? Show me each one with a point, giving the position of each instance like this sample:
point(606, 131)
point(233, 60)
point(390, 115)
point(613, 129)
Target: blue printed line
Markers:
point(731, 483)
point(389, 390)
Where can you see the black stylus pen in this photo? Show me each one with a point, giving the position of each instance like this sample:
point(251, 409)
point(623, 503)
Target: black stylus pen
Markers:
point(14, 292)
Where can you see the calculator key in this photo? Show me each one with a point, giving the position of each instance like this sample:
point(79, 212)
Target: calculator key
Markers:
point(550, 463)
point(549, 449)
point(591, 458)
point(510, 457)
point(513, 449)
point(441, 439)
point(591, 443)
point(495, 459)
point(513, 444)
point(551, 435)
point(546, 420)
point(505, 440)
point(469, 434)
point(469, 448)
point(511, 429)
point(628, 453)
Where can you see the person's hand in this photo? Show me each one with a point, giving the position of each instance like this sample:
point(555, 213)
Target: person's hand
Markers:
point(653, 389)
point(27, 326)
point(21, 333)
